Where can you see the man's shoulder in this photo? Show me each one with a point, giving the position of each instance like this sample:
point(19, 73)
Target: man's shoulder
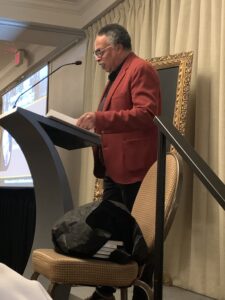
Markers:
point(135, 62)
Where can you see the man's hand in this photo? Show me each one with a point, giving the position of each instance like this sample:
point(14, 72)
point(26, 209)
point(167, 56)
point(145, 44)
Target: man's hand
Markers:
point(87, 121)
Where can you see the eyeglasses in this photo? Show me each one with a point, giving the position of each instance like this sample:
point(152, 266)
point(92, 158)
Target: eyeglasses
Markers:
point(99, 52)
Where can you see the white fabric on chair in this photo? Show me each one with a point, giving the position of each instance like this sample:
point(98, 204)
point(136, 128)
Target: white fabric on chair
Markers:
point(13, 286)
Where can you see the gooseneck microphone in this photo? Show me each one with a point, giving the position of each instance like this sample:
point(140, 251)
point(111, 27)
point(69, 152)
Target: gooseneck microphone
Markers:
point(77, 63)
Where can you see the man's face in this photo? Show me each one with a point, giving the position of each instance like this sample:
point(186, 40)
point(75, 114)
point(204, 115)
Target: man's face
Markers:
point(106, 54)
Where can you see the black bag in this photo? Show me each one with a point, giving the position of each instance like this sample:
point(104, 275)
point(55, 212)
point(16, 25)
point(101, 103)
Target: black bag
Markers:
point(83, 231)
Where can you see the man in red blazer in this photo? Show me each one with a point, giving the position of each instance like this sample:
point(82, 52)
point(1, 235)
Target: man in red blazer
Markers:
point(124, 118)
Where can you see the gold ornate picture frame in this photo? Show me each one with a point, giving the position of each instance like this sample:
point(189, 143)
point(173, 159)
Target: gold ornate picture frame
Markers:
point(175, 78)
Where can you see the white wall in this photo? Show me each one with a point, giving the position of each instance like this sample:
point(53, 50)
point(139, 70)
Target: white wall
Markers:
point(66, 96)
point(12, 72)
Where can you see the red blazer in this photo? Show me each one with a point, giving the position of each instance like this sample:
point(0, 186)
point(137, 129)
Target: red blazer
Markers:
point(128, 134)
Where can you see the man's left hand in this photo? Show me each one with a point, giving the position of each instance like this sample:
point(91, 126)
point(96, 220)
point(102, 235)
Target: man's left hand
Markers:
point(87, 121)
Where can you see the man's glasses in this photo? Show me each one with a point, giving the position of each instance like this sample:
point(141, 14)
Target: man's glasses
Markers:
point(99, 52)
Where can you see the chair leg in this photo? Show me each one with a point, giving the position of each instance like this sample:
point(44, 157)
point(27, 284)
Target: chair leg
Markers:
point(147, 289)
point(34, 276)
point(123, 294)
point(59, 291)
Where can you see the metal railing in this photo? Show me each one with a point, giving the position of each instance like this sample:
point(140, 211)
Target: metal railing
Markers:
point(167, 132)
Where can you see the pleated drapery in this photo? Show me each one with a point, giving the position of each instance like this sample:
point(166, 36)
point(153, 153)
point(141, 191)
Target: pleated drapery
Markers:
point(195, 247)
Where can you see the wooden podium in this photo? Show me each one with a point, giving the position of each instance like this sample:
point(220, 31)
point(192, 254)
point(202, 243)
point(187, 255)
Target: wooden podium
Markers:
point(37, 136)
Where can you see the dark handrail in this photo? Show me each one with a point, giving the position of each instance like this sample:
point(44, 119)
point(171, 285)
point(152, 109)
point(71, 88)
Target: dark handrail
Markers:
point(199, 167)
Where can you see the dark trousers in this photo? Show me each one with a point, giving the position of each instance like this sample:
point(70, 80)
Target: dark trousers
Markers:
point(125, 193)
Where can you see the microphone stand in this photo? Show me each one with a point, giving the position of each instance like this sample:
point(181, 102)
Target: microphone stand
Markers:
point(78, 62)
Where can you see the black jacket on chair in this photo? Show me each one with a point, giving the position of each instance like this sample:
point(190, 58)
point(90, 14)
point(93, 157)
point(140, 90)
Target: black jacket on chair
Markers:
point(83, 231)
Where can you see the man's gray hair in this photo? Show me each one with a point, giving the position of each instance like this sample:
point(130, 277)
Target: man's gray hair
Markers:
point(117, 34)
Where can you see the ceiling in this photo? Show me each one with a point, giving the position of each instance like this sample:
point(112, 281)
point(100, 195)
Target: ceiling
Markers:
point(49, 23)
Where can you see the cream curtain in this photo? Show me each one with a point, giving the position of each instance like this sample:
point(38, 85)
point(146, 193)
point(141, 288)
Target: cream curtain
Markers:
point(195, 247)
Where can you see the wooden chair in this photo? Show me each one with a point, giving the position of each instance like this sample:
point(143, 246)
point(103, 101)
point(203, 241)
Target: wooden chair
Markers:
point(66, 271)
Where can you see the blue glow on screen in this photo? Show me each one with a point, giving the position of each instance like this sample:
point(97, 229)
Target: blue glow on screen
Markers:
point(14, 170)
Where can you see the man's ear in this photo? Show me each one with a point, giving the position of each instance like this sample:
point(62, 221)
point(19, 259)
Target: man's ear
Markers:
point(119, 47)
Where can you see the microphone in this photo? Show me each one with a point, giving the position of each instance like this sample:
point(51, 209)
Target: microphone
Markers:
point(77, 63)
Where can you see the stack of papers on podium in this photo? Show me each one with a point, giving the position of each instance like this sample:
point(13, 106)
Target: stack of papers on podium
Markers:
point(55, 115)
point(108, 248)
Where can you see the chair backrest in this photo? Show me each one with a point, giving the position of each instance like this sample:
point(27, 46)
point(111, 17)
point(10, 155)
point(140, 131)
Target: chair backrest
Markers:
point(144, 209)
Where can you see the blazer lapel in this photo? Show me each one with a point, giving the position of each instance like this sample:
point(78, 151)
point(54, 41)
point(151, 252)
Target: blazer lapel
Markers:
point(119, 77)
